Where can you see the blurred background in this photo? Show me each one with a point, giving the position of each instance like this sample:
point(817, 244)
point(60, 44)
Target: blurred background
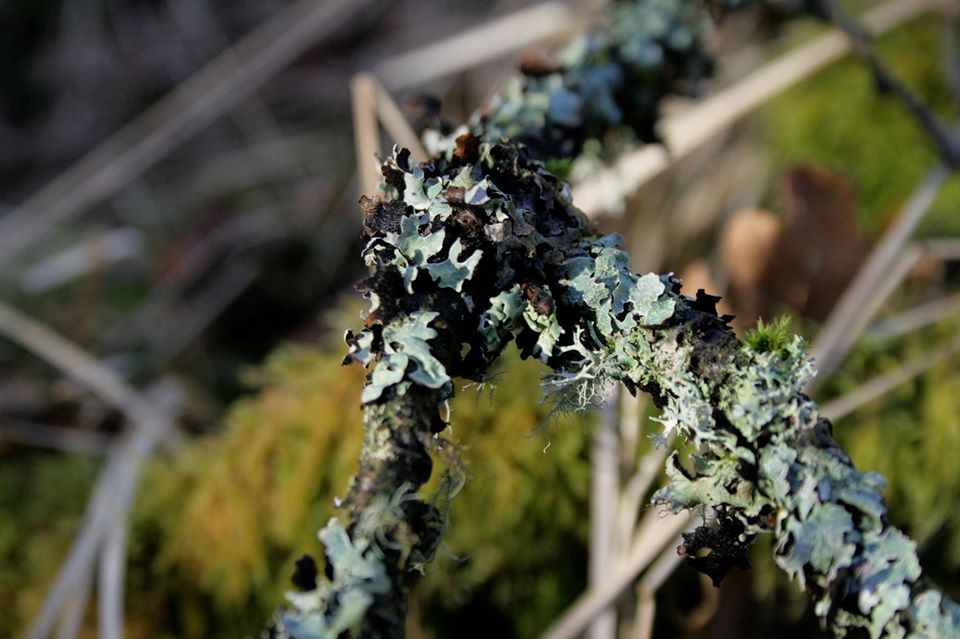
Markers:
point(179, 237)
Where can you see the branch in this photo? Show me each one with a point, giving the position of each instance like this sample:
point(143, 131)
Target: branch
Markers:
point(482, 246)
point(944, 136)
point(423, 311)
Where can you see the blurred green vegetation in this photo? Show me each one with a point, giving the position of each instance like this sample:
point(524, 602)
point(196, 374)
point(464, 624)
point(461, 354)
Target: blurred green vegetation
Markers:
point(839, 120)
point(220, 523)
point(42, 497)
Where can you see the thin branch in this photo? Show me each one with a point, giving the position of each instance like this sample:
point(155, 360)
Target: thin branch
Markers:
point(115, 486)
point(55, 437)
point(480, 44)
point(111, 576)
point(78, 365)
point(396, 124)
point(946, 249)
point(652, 537)
point(950, 54)
point(916, 318)
point(644, 614)
point(647, 587)
point(372, 106)
point(604, 497)
point(637, 488)
point(687, 129)
point(946, 138)
point(74, 610)
point(863, 297)
point(883, 384)
point(117, 480)
point(366, 130)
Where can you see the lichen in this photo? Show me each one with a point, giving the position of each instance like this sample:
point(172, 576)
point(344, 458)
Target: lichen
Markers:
point(537, 273)
point(338, 606)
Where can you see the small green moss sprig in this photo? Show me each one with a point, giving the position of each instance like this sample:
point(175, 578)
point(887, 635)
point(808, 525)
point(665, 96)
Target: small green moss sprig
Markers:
point(775, 468)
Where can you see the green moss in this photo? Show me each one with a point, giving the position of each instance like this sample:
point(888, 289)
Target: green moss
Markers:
point(771, 338)
point(268, 482)
point(839, 120)
point(42, 498)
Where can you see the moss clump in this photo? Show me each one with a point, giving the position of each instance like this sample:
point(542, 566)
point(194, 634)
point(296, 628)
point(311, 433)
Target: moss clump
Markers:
point(771, 338)
point(220, 524)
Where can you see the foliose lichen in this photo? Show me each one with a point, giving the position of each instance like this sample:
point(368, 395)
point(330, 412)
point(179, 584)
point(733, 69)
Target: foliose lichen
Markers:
point(481, 246)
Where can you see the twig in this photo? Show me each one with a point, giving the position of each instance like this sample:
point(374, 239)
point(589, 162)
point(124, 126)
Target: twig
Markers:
point(950, 54)
point(657, 532)
point(883, 384)
point(485, 42)
point(117, 479)
point(946, 139)
point(372, 106)
point(856, 307)
point(76, 568)
point(644, 614)
point(366, 130)
point(55, 437)
point(197, 102)
point(88, 255)
point(115, 486)
point(687, 130)
point(396, 124)
point(916, 318)
point(110, 579)
point(946, 249)
point(77, 364)
point(604, 497)
point(71, 619)
point(647, 587)
point(637, 487)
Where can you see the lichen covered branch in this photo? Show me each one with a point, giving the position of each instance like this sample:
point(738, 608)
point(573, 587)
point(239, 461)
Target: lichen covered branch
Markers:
point(489, 241)
point(480, 247)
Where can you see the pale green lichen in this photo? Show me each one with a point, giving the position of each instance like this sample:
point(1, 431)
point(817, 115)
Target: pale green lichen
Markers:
point(764, 458)
point(500, 318)
point(453, 271)
point(413, 249)
point(829, 520)
point(406, 355)
point(339, 606)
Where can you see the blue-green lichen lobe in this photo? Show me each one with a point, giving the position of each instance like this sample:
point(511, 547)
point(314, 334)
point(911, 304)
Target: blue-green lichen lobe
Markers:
point(339, 605)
